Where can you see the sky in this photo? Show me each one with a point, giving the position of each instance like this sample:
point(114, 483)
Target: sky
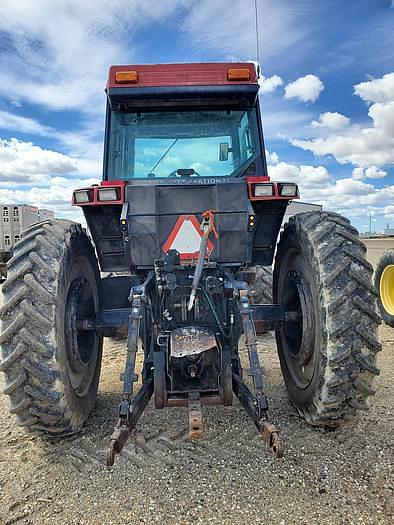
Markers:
point(327, 90)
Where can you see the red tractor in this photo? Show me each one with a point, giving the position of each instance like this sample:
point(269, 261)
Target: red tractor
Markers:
point(183, 216)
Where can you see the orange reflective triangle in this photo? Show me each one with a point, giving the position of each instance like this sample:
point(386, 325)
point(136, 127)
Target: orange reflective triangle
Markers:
point(185, 237)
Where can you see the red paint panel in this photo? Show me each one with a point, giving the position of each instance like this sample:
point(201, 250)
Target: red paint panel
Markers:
point(257, 179)
point(113, 183)
point(195, 74)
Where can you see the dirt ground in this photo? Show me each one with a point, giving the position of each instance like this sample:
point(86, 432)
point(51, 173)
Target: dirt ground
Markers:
point(344, 476)
point(376, 247)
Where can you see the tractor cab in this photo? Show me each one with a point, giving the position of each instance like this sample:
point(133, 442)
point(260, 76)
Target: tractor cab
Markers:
point(182, 139)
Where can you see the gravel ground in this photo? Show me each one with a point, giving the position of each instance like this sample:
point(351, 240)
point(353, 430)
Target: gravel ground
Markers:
point(344, 476)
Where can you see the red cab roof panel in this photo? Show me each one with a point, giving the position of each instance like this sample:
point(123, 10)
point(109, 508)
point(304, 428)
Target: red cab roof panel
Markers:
point(195, 74)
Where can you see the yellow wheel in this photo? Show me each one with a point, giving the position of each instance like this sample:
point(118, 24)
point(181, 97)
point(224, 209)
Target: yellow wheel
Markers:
point(387, 289)
point(384, 283)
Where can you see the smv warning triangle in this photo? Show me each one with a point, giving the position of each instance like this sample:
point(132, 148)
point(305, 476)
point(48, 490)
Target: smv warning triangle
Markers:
point(185, 237)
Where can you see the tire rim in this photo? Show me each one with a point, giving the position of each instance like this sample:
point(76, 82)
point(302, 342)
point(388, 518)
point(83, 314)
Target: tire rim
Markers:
point(386, 288)
point(298, 334)
point(81, 344)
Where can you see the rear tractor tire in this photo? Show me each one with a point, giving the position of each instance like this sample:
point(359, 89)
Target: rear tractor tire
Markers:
point(384, 284)
point(261, 289)
point(328, 346)
point(51, 366)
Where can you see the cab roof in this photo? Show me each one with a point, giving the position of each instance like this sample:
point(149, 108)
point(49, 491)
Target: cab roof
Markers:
point(191, 74)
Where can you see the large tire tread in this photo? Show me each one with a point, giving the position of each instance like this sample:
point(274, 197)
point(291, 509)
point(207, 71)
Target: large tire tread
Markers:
point(261, 289)
point(348, 315)
point(28, 336)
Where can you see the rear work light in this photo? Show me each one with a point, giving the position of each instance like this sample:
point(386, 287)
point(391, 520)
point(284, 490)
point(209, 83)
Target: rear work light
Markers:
point(126, 77)
point(263, 190)
point(288, 190)
point(238, 74)
point(82, 196)
point(108, 194)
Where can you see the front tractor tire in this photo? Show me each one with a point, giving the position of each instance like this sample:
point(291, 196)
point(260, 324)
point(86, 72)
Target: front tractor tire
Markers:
point(51, 367)
point(328, 346)
point(384, 284)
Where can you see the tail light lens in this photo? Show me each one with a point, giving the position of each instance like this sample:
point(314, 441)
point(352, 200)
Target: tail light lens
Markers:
point(108, 194)
point(238, 74)
point(126, 77)
point(263, 190)
point(288, 190)
point(82, 196)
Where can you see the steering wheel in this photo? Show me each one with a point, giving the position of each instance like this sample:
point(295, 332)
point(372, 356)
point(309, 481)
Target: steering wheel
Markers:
point(184, 173)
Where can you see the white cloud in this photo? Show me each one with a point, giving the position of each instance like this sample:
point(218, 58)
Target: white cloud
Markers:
point(50, 173)
point(56, 196)
point(313, 177)
point(268, 85)
point(62, 49)
point(369, 173)
point(306, 89)
point(331, 120)
point(377, 90)
point(272, 158)
point(85, 146)
point(368, 147)
point(306, 176)
point(12, 122)
point(358, 173)
point(389, 212)
point(371, 146)
point(350, 187)
point(375, 173)
point(351, 197)
point(23, 162)
point(383, 117)
point(58, 53)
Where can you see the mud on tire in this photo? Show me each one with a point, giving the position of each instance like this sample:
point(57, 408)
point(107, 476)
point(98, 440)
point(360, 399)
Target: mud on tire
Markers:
point(328, 352)
point(51, 368)
point(384, 284)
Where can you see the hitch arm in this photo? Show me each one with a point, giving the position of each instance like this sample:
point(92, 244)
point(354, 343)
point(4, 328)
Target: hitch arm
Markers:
point(130, 410)
point(125, 425)
point(255, 405)
point(269, 432)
